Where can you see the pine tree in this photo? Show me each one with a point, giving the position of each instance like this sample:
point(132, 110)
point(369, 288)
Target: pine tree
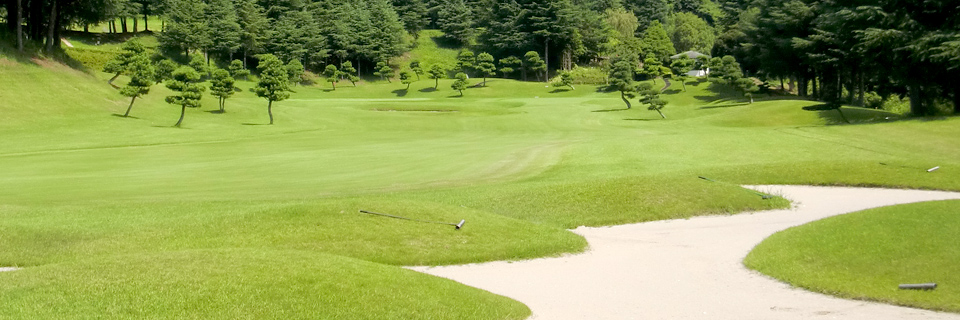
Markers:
point(455, 19)
point(681, 66)
point(222, 27)
point(436, 73)
point(656, 41)
point(294, 71)
point(465, 61)
point(384, 71)
point(253, 25)
point(460, 83)
point(332, 75)
point(533, 63)
point(416, 68)
point(346, 69)
point(510, 65)
point(186, 27)
point(651, 97)
point(406, 77)
point(141, 78)
point(120, 64)
point(186, 82)
point(237, 70)
point(163, 69)
point(485, 66)
point(222, 86)
point(274, 81)
point(622, 70)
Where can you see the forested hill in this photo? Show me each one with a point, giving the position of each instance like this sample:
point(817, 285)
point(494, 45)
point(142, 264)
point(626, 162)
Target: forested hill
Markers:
point(840, 51)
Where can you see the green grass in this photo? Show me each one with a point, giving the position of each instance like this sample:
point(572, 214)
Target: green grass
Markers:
point(866, 255)
point(520, 161)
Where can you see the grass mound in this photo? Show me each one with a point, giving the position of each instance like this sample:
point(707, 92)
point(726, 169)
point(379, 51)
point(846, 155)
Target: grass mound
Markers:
point(241, 284)
point(867, 254)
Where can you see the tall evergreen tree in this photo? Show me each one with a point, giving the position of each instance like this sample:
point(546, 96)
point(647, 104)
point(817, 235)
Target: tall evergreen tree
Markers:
point(455, 19)
point(222, 26)
point(413, 14)
point(274, 81)
point(186, 27)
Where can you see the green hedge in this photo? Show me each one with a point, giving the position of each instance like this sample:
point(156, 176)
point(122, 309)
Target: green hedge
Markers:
point(92, 58)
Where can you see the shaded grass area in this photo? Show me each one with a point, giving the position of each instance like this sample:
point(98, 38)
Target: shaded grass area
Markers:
point(867, 254)
point(241, 284)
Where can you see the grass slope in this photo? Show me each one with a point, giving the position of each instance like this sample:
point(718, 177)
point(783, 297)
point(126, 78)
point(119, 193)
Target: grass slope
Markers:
point(519, 161)
point(866, 255)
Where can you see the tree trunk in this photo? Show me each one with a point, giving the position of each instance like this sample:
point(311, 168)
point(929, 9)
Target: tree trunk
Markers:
point(956, 101)
point(842, 116)
point(861, 100)
point(684, 84)
point(917, 106)
point(134, 23)
point(436, 83)
point(52, 26)
point(19, 23)
point(661, 114)
point(146, 27)
point(270, 110)
point(546, 59)
point(110, 82)
point(123, 24)
point(183, 110)
point(127, 114)
point(625, 100)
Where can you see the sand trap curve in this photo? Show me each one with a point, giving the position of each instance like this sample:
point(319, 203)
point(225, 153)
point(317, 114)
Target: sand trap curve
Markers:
point(688, 269)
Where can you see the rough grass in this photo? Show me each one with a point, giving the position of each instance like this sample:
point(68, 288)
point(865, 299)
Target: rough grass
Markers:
point(866, 255)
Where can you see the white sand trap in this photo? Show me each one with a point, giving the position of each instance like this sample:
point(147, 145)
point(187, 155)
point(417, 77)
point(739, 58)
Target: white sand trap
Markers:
point(688, 269)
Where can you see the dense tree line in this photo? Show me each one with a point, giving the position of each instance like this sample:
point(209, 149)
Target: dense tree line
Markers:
point(841, 50)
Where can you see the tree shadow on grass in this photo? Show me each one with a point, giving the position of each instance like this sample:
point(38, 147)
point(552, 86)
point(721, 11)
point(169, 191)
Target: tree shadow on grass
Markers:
point(216, 111)
point(400, 92)
point(610, 110)
point(671, 91)
point(429, 89)
point(638, 119)
point(559, 90)
point(455, 96)
point(254, 124)
point(728, 105)
point(122, 116)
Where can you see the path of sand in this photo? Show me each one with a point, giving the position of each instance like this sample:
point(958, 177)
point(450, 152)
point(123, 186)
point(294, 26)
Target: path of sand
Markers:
point(688, 269)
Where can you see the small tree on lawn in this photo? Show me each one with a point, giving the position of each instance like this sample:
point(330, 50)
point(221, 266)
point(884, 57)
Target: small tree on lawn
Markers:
point(461, 83)
point(198, 63)
point(384, 71)
point(748, 87)
point(222, 86)
point(295, 71)
point(237, 71)
point(120, 63)
point(621, 77)
point(163, 69)
point(465, 61)
point(141, 78)
point(416, 68)
point(651, 67)
point(406, 77)
point(565, 80)
point(186, 82)
point(347, 69)
point(533, 63)
point(436, 73)
point(485, 66)
point(332, 75)
point(651, 97)
point(509, 65)
point(680, 68)
point(273, 84)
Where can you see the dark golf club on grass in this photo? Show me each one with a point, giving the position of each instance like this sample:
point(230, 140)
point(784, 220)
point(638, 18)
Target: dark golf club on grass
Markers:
point(456, 225)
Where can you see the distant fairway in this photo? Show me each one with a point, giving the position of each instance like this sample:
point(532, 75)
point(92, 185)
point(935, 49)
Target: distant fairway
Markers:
point(91, 200)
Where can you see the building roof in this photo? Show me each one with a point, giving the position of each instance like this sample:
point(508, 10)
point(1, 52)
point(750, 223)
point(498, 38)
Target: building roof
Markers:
point(690, 54)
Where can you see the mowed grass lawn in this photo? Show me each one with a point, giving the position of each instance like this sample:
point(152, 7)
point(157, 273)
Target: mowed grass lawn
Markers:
point(227, 210)
point(868, 254)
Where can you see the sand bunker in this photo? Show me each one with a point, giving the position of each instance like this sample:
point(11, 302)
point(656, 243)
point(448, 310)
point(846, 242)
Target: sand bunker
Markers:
point(688, 269)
